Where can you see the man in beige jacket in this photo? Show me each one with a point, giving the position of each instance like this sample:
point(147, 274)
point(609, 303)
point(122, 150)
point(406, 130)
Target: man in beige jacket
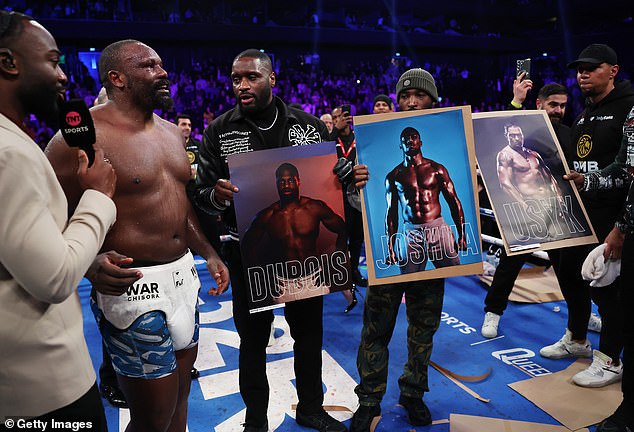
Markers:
point(45, 368)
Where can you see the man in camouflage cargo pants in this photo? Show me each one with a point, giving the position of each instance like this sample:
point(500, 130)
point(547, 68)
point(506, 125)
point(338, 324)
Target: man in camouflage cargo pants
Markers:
point(416, 89)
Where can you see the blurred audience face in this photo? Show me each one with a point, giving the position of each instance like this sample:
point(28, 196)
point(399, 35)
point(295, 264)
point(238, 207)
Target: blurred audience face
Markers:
point(381, 107)
point(327, 119)
point(185, 125)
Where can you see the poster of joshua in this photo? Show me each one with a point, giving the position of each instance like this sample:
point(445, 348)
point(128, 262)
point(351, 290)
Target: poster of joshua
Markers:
point(290, 220)
point(420, 206)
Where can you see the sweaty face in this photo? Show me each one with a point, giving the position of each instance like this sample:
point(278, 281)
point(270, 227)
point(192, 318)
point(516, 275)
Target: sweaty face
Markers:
point(515, 137)
point(252, 82)
point(147, 80)
point(414, 99)
point(593, 79)
point(185, 125)
point(42, 81)
point(555, 106)
point(288, 185)
point(382, 107)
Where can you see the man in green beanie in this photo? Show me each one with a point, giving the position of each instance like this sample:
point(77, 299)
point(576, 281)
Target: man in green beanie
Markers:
point(415, 90)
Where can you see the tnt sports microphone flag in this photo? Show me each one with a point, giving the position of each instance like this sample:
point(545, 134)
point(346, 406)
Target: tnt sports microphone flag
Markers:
point(77, 126)
point(290, 215)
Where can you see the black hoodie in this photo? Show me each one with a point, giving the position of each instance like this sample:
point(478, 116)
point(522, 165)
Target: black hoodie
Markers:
point(595, 141)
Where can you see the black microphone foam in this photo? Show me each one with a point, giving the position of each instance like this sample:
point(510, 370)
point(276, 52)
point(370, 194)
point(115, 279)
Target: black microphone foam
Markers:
point(77, 126)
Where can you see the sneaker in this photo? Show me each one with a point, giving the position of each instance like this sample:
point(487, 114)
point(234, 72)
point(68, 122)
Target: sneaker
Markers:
point(490, 325)
point(600, 373)
point(594, 323)
point(620, 421)
point(320, 421)
point(363, 417)
point(417, 412)
point(566, 347)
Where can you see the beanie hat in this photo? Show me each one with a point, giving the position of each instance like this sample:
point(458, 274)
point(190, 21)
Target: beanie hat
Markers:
point(418, 79)
point(383, 98)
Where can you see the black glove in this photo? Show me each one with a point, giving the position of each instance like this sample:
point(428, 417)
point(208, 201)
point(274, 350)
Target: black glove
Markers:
point(343, 170)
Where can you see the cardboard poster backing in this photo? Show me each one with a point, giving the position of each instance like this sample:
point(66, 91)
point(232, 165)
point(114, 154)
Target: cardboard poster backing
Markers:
point(447, 139)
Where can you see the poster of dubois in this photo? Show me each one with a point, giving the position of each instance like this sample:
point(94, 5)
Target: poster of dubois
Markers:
point(291, 224)
point(522, 167)
point(420, 206)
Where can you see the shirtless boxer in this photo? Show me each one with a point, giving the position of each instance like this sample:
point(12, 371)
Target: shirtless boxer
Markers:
point(416, 183)
point(292, 225)
point(155, 228)
point(521, 171)
point(524, 176)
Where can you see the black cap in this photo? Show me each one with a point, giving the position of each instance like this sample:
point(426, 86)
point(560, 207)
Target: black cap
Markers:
point(595, 54)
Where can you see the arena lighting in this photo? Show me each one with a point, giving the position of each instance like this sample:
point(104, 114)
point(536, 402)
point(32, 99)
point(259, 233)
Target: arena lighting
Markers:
point(91, 49)
point(358, 81)
point(398, 54)
point(544, 54)
point(261, 50)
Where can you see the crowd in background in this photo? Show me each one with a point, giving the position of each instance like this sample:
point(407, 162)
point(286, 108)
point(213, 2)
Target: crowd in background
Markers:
point(203, 90)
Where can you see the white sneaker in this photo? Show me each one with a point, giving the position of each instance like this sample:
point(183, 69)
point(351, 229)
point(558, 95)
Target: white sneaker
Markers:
point(566, 347)
point(594, 323)
point(271, 336)
point(600, 373)
point(490, 325)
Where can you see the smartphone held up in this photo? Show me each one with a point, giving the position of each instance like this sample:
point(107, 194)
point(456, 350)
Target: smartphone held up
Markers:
point(523, 65)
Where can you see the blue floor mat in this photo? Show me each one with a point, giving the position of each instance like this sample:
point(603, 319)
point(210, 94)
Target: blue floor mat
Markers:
point(215, 404)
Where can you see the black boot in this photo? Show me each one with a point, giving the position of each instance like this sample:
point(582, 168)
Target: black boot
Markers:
point(113, 395)
point(363, 417)
point(417, 411)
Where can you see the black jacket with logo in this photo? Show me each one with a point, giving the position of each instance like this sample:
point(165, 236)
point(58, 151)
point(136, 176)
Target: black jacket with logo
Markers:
point(233, 133)
point(595, 141)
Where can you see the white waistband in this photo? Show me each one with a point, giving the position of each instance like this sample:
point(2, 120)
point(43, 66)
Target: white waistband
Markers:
point(165, 287)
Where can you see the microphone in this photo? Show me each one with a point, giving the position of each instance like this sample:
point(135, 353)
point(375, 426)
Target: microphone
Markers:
point(77, 126)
